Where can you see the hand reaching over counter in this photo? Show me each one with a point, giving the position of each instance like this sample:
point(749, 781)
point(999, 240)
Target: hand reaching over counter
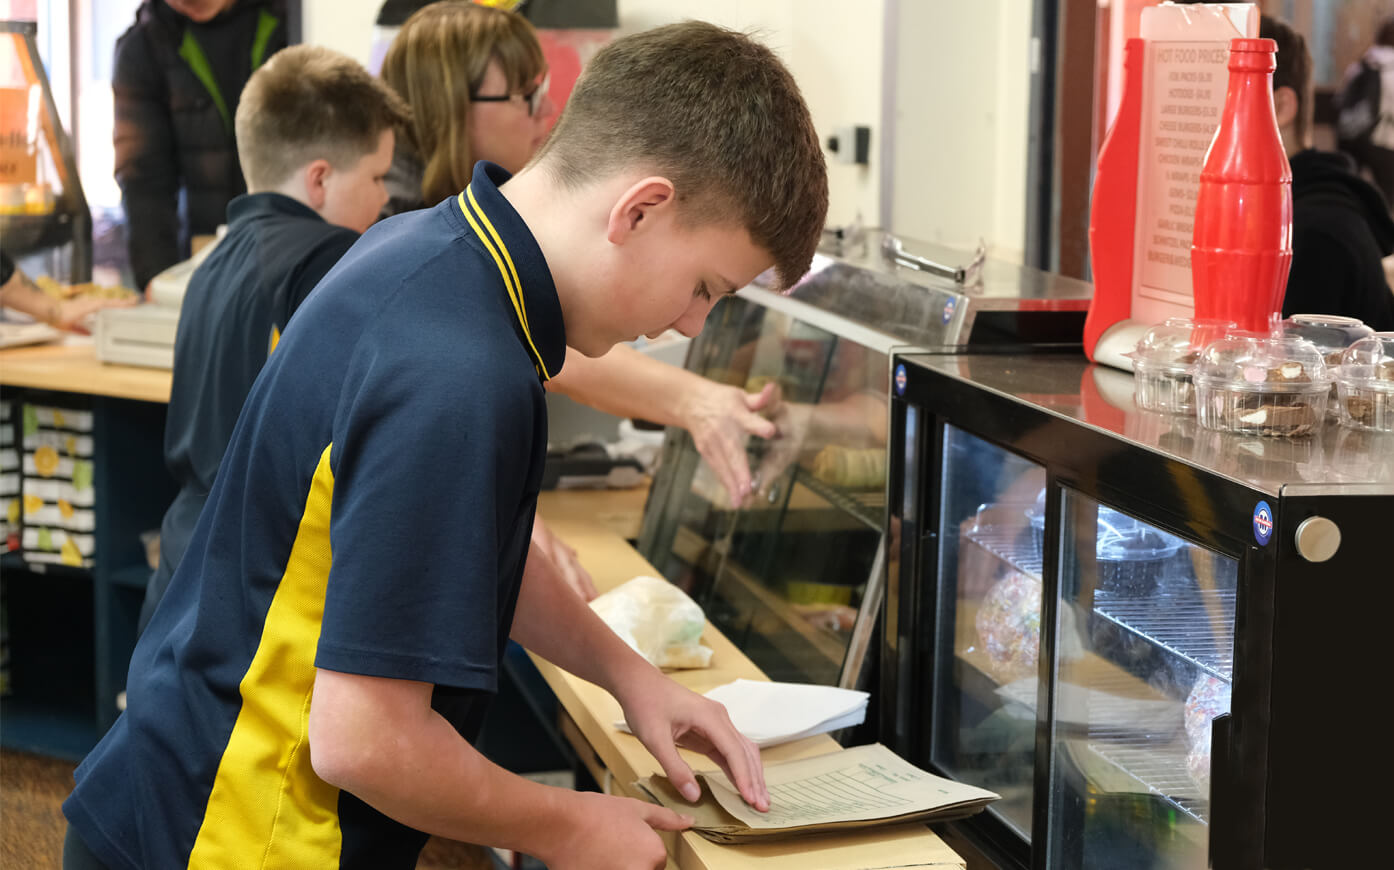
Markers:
point(627, 383)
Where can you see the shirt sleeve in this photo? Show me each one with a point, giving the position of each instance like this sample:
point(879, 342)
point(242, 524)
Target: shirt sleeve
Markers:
point(426, 490)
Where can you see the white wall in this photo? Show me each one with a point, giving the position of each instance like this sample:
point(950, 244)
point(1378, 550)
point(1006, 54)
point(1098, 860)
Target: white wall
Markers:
point(962, 88)
point(343, 25)
point(833, 49)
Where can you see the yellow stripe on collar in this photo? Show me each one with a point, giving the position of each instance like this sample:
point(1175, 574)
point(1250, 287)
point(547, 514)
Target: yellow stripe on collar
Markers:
point(496, 248)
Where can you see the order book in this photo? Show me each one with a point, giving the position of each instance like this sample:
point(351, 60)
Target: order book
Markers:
point(843, 790)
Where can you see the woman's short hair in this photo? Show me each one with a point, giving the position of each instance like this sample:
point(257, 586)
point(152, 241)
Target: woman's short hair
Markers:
point(436, 62)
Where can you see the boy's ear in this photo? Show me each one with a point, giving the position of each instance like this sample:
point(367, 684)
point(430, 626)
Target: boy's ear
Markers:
point(1285, 105)
point(315, 175)
point(637, 207)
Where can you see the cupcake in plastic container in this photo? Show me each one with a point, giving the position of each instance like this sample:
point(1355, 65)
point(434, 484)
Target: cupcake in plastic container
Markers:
point(1132, 557)
point(1365, 384)
point(1165, 359)
point(1271, 387)
point(1331, 333)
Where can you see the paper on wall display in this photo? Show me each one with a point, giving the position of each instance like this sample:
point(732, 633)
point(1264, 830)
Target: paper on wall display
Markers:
point(842, 790)
point(1186, 71)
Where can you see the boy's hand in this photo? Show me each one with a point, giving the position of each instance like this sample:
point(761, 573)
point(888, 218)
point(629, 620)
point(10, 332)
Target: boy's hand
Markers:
point(563, 558)
point(720, 418)
point(664, 715)
point(614, 833)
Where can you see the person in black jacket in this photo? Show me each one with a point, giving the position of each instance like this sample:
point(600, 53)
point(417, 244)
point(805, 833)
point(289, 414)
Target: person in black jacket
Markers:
point(178, 74)
point(1340, 223)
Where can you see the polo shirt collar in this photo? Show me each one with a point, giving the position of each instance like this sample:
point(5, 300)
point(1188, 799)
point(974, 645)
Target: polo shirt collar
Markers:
point(253, 205)
point(509, 246)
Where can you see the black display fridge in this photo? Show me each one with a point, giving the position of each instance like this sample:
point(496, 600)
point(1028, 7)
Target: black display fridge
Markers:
point(1163, 645)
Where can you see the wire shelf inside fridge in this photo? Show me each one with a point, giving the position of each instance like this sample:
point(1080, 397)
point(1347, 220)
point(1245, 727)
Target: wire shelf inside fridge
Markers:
point(1011, 545)
point(1157, 769)
point(1197, 627)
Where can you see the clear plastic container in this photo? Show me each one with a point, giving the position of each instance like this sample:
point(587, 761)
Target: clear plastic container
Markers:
point(1132, 556)
point(1365, 384)
point(1271, 387)
point(1165, 359)
point(1332, 334)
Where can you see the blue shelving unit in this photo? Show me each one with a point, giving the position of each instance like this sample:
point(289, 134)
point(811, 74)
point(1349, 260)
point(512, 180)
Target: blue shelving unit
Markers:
point(72, 630)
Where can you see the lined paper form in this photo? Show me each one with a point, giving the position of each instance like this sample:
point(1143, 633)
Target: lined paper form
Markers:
point(849, 788)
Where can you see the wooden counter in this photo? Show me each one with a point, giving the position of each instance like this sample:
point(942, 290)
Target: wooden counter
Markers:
point(621, 759)
point(72, 366)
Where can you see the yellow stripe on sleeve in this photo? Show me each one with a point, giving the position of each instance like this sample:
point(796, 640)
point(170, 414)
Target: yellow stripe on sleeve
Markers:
point(267, 808)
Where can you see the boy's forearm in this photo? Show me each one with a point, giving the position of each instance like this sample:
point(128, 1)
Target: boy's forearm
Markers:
point(555, 623)
point(415, 768)
point(627, 383)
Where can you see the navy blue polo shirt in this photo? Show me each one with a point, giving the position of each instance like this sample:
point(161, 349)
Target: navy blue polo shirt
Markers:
point(236, 307)
point(371, 516)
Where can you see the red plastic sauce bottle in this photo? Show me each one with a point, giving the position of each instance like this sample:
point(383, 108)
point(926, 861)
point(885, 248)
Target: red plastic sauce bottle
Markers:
point(1113, 206)
point(1241, 247)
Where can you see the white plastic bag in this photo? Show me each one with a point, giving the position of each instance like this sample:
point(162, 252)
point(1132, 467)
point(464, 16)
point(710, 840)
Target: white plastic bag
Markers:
point(657, 620)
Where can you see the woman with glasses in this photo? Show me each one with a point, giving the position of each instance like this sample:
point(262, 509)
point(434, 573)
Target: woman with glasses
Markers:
point(476, 81)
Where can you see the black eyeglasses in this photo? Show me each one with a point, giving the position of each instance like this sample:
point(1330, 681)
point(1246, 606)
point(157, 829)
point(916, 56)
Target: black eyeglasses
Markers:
point(532, 98)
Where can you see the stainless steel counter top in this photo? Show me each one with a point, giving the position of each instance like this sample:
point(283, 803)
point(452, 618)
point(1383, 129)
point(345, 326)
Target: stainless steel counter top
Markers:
point(1068, 386)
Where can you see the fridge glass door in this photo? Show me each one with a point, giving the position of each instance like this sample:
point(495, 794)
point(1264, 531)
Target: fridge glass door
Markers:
point(1144, 642)
point(785, 575)
point(985, 673)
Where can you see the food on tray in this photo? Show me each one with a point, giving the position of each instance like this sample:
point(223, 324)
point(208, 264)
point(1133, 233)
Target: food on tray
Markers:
point(1210, 697)
point(832, 617)
point(90, 289)
point(1009, 626)
point(850, 467)
point(1198, 763)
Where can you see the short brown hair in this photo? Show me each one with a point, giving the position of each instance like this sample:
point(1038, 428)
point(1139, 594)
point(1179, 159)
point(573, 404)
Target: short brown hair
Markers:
point(436, 61)
point(309, 103)
point(1294, 70)
point(717, 114)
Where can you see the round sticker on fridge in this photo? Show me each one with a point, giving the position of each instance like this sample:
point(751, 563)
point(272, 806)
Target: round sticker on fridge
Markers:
point(949, 310)
point(1263, 523)
point(900, 379)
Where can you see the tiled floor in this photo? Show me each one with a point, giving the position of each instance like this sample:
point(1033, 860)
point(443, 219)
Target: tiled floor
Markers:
point(32, 789)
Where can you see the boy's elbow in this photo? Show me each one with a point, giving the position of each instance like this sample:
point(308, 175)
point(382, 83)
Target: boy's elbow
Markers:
point(330, 756)
point(338, 754)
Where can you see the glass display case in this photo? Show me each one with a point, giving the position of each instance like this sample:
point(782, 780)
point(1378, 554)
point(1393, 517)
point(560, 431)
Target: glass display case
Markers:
point(44, 218)
point(794, 578)
point(1145, 635)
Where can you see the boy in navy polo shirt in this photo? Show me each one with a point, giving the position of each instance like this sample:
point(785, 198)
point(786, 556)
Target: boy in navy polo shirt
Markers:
point(306, 693)
point(315, 134)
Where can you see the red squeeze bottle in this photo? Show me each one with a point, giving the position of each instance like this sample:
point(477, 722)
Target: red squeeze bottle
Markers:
point(1113, 206)
point(1241, 247)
